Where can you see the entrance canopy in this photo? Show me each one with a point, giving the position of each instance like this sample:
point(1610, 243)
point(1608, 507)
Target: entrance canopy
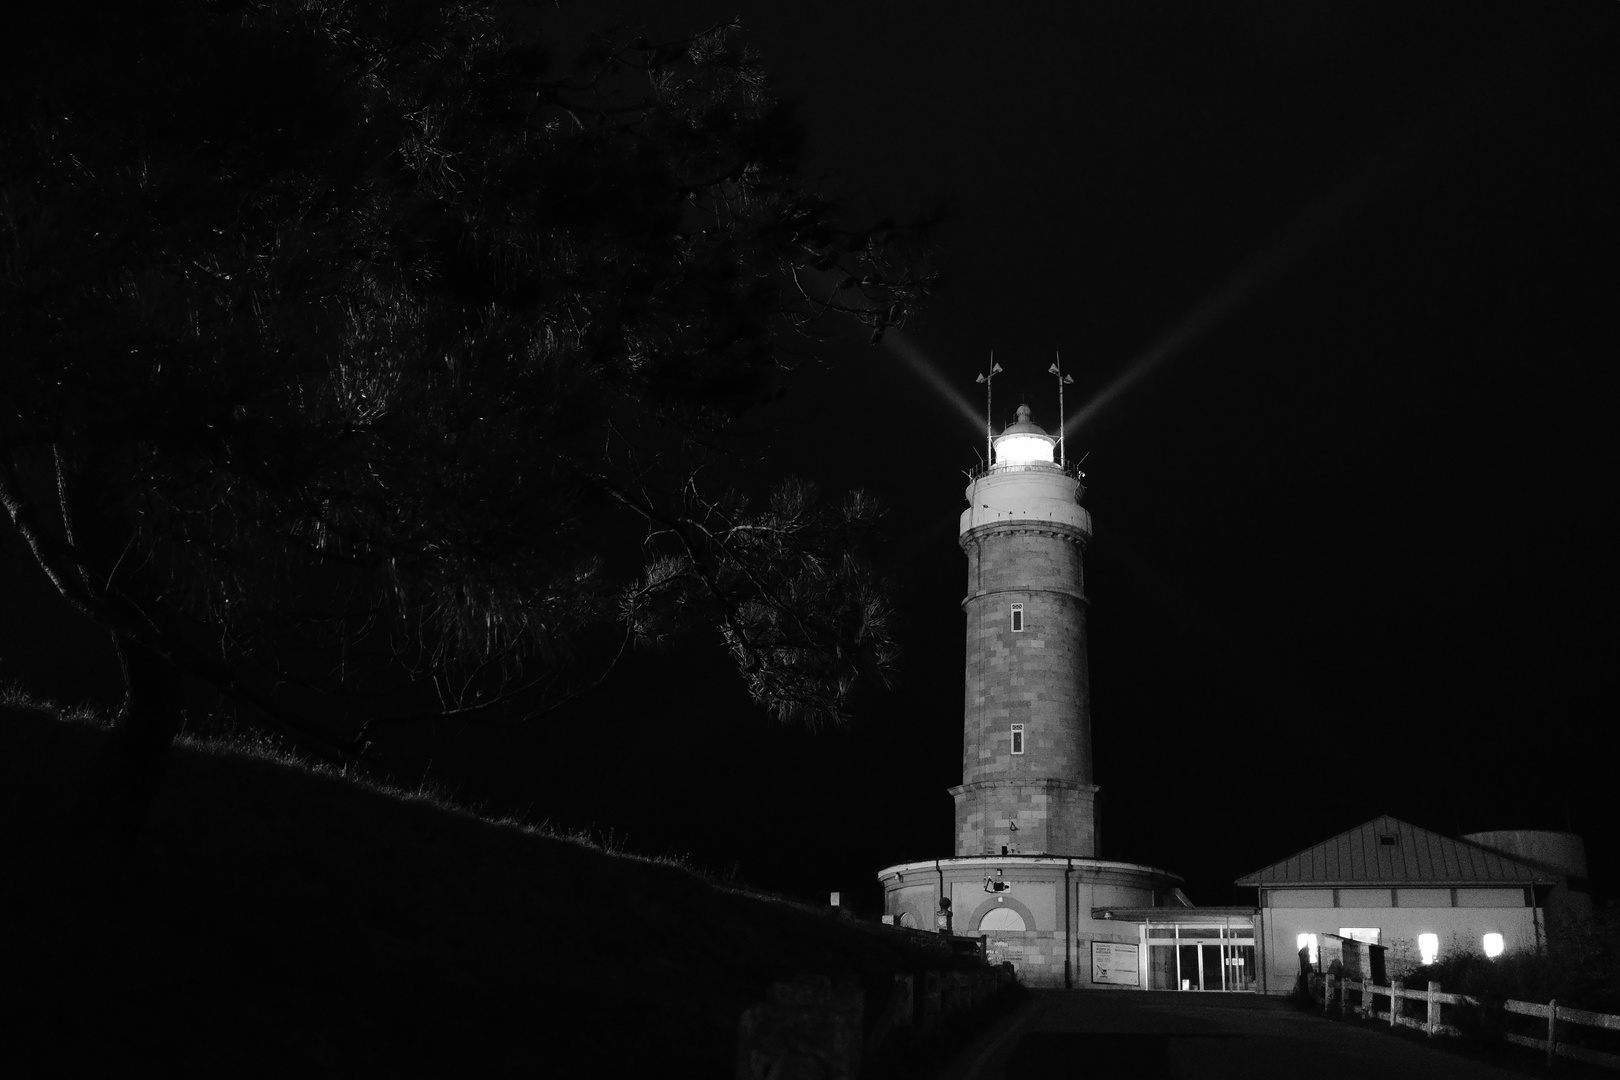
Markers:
point(1192, 948)
point(1163, 916)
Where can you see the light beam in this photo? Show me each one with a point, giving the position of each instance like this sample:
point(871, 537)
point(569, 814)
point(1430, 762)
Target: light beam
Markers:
point(911, 354)
point(1428, 135)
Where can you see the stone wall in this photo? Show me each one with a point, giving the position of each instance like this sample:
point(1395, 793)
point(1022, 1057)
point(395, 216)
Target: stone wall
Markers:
point(1037, 955)
point(1053, 817)
point(1037, 677)
point(816, 1027)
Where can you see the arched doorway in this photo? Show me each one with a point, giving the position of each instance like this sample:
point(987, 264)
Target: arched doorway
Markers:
point(1001, 918)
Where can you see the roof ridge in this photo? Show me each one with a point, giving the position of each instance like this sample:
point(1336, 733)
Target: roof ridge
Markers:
point(1421, 855)
point(1312, 847)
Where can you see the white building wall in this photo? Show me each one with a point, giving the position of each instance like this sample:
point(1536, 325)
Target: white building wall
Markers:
point(1460, 929)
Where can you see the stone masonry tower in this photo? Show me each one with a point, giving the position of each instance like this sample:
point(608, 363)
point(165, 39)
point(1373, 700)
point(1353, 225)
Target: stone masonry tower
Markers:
point(1026, 877)
point(1027, 785)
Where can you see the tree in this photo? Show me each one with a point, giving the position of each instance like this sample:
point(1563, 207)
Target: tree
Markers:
point(344, 340)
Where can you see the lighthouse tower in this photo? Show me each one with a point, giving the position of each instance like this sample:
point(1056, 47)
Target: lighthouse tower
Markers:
point(1027, 785)
point(1026, 876)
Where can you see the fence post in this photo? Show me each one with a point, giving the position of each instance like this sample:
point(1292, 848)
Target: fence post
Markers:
point(1394, 1001)
point(1327, 991)
point(1432, 1018)
point(1552, 1032)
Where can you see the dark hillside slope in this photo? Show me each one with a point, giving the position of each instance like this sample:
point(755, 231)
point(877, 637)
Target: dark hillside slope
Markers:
point(279, 920)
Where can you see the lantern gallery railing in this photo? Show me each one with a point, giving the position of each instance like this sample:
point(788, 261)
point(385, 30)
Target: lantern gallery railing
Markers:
point(1071, 470)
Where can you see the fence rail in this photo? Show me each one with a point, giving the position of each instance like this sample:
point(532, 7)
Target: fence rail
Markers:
point(1435, 1000)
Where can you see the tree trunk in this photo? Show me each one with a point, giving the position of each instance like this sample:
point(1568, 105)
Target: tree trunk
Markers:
point(113, 809)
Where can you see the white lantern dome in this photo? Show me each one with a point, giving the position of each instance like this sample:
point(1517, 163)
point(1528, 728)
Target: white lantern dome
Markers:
point(1024, 443)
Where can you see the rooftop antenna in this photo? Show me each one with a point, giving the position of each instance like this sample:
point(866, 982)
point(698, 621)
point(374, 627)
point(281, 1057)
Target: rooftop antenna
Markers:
point(1063, 380)
point(989, 429)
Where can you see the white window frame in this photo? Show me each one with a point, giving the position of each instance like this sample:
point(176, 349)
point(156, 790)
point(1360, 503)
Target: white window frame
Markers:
point(1017, 618)
point(1018, 738)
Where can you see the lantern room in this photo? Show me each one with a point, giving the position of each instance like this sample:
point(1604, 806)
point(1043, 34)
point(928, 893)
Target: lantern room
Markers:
point(1024, 443)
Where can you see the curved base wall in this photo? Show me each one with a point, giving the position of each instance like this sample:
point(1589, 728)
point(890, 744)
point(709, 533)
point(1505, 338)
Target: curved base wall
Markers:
point(1034, 910)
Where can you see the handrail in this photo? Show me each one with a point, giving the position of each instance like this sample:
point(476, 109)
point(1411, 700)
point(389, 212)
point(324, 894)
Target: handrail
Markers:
point(1554, 1013)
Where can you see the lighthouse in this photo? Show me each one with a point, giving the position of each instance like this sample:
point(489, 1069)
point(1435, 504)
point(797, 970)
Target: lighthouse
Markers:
point(1026, 876)
point(1027, 784)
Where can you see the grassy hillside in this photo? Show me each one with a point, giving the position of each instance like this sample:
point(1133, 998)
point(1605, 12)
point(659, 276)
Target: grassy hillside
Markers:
point(283, 920)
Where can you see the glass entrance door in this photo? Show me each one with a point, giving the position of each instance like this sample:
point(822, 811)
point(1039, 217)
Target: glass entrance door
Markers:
point(1212, 975)
point(1239, 967)
point(1191, 957)
point(1190, 968)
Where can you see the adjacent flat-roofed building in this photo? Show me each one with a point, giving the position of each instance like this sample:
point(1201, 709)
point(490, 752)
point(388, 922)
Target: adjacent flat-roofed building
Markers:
point(1417, 893)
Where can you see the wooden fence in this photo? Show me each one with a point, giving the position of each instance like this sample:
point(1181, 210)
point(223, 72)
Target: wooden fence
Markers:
point(1330, 986)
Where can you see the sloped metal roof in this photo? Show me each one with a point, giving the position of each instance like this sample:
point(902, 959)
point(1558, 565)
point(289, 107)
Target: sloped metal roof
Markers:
point(1417, 856)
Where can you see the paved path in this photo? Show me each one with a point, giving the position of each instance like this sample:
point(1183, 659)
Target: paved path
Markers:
point(1180, 1036)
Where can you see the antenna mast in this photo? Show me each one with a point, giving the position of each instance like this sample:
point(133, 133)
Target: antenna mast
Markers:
point(989, 428)
point(1063, 380)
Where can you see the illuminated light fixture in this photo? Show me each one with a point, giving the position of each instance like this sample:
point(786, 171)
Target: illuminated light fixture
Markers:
point(1493, 945)
point(1023, 449)
point(1307, 941)
point(1024, 443)
point(1429, 947)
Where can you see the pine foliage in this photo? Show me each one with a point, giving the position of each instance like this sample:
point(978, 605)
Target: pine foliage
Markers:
point(359, 345)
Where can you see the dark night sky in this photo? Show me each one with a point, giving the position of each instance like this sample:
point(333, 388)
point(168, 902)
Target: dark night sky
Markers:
point(1337, 284)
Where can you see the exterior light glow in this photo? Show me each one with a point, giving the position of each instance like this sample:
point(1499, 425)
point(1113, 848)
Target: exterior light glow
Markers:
point(1429, 947)
point(1023, 449)
point(1493, 945)
point(1307, 941)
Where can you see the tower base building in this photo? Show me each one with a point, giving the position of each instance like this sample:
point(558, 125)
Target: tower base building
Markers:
point(1053, 917)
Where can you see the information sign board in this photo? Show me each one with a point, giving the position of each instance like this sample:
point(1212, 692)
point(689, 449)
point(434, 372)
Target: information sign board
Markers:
point(1112, 962)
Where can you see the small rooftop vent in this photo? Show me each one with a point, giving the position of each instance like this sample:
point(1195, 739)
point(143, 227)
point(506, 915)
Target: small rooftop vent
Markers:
point(1388, 840)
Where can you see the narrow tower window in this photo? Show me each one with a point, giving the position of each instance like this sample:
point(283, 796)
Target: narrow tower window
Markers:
point(1018, 618)
point(1018, 738)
